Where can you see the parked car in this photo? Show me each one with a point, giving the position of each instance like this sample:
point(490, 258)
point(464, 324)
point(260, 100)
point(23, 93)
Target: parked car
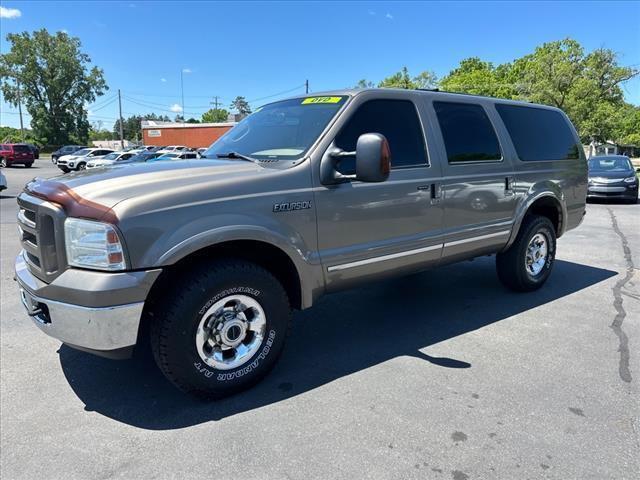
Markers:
point(201, 152)
point(157, 149)
point(15, 154)
point(612, 176)
point(174, 148)
point(175, 156)
point(66, 150)
point(3, 181)
point(110, 159)
point(306, 196)
point(34, 149)
point(78, 160)
point(141, 158)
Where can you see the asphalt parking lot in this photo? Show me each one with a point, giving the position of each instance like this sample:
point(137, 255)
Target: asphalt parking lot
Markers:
point(442, 375)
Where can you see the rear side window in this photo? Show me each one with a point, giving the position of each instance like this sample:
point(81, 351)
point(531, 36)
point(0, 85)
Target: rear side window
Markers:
point(397, 120)
point(467, 132)
point(538, 133)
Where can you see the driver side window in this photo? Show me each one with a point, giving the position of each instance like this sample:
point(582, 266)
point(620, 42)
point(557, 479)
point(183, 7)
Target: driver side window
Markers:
point(397, 120)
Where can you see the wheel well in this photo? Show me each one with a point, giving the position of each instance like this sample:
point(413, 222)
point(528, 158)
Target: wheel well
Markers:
point(264, 254)
point(548, 207)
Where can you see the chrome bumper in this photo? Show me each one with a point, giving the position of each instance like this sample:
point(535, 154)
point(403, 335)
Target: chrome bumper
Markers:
point(92, 328)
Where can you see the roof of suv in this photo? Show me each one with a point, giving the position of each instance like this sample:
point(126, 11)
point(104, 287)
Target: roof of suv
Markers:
point(426, 92)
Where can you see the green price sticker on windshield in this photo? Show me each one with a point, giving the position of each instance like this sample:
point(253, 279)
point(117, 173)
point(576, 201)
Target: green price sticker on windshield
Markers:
point(312, 100)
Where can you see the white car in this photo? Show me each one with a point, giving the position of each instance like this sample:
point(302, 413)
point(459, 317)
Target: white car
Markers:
point(78, 160)
point(3, 181)
point(174, 148)
point(111, 158)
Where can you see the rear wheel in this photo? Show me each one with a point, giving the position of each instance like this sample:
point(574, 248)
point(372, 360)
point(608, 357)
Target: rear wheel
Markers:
point(28, 165)
point(3, 163)
point(82, 166)
point(222, 330)
point(527, 264)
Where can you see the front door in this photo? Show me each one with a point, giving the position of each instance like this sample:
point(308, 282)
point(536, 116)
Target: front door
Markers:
point(370, 230)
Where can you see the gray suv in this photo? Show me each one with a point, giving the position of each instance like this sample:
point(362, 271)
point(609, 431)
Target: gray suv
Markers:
point(306, 196)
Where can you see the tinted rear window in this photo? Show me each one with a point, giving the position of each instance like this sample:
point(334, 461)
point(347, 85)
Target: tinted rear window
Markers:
point(538, 133)
point(467, 132)
point(21, 148)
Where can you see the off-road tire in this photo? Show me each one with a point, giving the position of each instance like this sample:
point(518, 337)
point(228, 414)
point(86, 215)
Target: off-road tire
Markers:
point(175, 320)
point(511, 264)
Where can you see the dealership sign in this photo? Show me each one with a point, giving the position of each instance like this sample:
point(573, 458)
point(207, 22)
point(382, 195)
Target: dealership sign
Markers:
point(155, 133)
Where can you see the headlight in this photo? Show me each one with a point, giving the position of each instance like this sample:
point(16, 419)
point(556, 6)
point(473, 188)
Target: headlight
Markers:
point(630, 179)
point(92, 244)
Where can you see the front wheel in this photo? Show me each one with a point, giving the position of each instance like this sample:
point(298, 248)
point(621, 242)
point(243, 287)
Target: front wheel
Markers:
point(526, 265)
point(222, 330)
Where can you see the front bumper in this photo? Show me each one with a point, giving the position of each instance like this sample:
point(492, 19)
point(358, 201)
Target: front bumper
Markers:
point(93, 326)
point(621, 190)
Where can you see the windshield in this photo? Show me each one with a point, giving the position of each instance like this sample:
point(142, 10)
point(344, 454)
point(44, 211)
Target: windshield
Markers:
point(111, 156)
point(609, 164)
point(82, 152)
point(279, 131)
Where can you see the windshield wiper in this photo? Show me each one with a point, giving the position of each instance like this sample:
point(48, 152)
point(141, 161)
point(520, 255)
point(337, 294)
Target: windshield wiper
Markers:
point(236, 155)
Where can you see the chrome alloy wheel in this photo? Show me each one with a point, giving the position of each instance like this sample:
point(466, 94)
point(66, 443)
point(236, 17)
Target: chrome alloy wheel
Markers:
point(230, 332)
point(537, 252)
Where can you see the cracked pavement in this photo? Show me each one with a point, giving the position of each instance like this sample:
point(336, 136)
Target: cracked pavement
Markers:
point(441, 375)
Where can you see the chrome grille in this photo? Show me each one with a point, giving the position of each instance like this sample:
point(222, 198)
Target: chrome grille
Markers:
point(41, 225)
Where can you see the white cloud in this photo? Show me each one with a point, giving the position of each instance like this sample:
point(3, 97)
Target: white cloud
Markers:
point(10, 13)
point(163, 80)
point(389, 16)
point(186, 70)
point(176, 108)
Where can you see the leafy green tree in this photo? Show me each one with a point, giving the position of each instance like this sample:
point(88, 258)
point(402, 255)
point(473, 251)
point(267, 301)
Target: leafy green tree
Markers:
point(102, 135)
point(131, 126)
point(55, 81)
point(479, 78)
point(193, 120)
point(402, 79)
point(215, 115)
point(241, 106)
point(364, 83)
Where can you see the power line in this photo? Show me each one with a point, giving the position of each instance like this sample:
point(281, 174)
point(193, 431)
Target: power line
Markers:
point(277, 94)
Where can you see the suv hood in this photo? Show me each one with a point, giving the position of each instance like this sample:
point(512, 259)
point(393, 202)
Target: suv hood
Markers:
point(104, 188)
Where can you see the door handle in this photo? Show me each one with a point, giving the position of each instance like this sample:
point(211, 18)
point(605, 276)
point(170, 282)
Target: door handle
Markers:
point(509, 186)
point(434, 190)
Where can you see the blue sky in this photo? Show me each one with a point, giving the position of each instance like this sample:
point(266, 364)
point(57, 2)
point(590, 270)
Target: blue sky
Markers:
point(259, 50)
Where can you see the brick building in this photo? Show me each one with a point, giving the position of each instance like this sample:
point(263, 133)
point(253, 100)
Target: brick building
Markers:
point(194, 135)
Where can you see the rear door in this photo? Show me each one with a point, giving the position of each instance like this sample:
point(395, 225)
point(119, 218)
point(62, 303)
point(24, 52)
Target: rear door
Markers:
point(478, 185)
point(370, 230)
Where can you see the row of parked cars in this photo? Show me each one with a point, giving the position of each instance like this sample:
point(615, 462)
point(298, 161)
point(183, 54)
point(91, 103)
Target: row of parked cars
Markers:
point(75, 157)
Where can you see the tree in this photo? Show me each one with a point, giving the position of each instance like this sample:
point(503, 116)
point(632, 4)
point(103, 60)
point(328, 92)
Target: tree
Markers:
point(193, 120)
point(179, 118)
point(131, 126)
point(241, 106)
point(55, 81)
point(402, 79)
point(364, 83)
point(215, 115)
point(479, 78)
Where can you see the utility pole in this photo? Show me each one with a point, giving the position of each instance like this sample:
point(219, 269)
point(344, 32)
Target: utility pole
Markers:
point(182, 91)
point(306, 86)
point(215, 102)
point(20, 111)
point(121, 126)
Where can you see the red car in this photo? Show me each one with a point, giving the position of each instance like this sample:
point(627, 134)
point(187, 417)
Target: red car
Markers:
point(12, 154)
